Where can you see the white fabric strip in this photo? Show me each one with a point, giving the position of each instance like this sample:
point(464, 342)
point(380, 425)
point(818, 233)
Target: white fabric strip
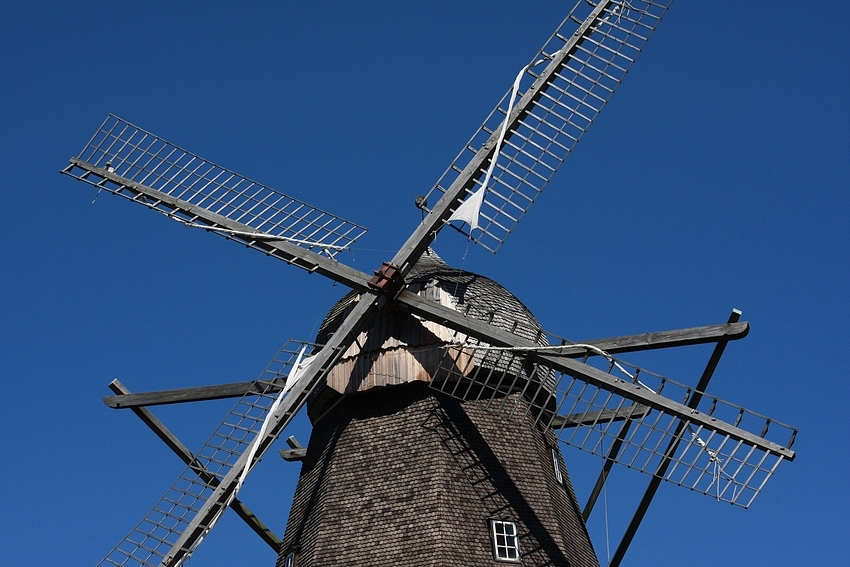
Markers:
point(470, 210)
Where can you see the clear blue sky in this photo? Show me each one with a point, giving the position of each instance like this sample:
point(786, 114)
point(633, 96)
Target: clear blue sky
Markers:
point(717, 177)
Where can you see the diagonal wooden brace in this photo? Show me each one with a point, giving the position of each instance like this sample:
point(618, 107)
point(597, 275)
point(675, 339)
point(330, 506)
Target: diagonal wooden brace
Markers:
point(186, 456)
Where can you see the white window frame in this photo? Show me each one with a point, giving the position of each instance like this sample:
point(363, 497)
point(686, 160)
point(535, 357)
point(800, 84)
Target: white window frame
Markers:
point(505, 541)
point(290, 560)
point(557, 464)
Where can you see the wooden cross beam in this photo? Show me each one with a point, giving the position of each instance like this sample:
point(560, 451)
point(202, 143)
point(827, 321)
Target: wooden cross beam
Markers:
point(187, 457)
point(182, 395)
point(296, 451)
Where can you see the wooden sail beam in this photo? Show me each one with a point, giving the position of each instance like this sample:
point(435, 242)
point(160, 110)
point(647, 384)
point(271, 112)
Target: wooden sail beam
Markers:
point(604, 416)
point(666, 339)
point(427, 230)
point(296, 451)
point(633, 392)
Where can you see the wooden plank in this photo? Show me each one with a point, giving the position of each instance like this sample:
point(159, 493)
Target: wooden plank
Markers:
point(295, 452)
point(183, 395)
point(604, 416)
point(668, 339)
point(292, 455)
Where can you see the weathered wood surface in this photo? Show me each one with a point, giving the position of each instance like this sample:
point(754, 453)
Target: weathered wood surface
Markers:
point(453, 319)
point(182, 395)
point(597, 417)
point(292, 455)
point(667, 339)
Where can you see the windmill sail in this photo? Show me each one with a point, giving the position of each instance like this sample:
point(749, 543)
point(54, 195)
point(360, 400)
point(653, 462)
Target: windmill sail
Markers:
point(568, 82)
point(133, 163)
point(152, 539)
point(719, 449)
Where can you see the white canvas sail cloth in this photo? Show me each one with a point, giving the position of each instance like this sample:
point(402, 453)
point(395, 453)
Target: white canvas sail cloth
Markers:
point(298, 369)
point(470, 210)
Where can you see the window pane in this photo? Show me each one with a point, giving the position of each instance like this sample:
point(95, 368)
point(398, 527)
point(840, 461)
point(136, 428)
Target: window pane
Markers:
point(505, 543)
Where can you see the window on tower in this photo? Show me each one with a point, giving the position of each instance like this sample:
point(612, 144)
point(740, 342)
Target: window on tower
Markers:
point(505, 541)
point(556, 462)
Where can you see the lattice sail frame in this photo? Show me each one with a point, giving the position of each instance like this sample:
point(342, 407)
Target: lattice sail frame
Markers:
point(150, 541)
point(727, 466)
point(121, 154)
point(556, 120)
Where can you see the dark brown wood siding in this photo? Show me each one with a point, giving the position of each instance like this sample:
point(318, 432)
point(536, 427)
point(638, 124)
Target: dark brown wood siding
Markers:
point(408, 476)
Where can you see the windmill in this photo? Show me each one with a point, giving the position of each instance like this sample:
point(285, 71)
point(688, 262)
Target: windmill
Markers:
point(450, 356)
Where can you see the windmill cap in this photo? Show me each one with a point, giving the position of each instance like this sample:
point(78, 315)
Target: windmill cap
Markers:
point(397, 348)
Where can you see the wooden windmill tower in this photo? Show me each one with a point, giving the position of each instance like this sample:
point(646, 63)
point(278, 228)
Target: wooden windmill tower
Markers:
point(439, 404)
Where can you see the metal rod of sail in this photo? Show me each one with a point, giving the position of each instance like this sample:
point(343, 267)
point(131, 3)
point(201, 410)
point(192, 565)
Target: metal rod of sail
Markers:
point(185, 395)
point(656, 479)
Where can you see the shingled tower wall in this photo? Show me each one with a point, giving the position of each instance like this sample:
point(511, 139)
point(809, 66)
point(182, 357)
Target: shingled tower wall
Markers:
point(397, 473)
